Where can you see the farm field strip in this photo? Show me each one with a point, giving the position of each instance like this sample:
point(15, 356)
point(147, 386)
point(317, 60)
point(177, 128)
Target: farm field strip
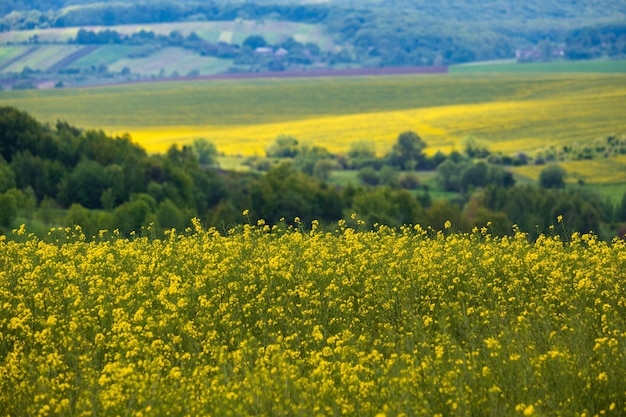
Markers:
point(9, 52)
point(107, 55)
point(10, 55)
point(259, 101)
point(174, 59)
point(43, 58)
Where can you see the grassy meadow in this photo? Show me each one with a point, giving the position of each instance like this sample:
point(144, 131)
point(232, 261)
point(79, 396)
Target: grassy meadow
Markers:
point(303, 322)
point(511, 66)
point(519, 112)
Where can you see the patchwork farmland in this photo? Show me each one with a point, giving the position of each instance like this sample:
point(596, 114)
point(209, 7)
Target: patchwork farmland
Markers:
point(53, 49)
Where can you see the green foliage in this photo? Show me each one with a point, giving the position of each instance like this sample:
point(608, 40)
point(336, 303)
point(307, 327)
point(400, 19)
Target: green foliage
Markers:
point(7, 176)
point(206, 152)
point(135, 214)
point(369, 176)
point(287, 193)
point(476, 149)
point(80, 173)
point(406, 153)
point(41, 175)
point(20, 132)
point(283, 147)
point(8, 210)
point(85, 185)
point(362, 150)
point(536, 209)
point(254, 41)
point(323, 168)
point(169, 216)
point(463, 176)
point(383, 205)
point(552, 176)
point(621, 210)
point(307, 158)
point(77, 215)
point(408, 180)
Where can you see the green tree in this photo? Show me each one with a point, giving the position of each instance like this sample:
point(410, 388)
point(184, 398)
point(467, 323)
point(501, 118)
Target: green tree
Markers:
point(308, 156)
point(552, 176)
point(406, 153)
point(361, 150)
point(284, 146)
point(8, 210)
point(254, 41)
point(85, 185)
point(443, 211)
point(134, 214)
point(450, 175)
point(7, 177)
point(284, 192)
point(621, 210)
point(368, 176)
point(384, 205)
point(205, 151)
point(323, 168)
point(77, 215)
point(20, 132)
point(42, 175)
point(169, 216)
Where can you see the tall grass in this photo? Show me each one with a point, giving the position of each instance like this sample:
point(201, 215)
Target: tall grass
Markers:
point(269, 321)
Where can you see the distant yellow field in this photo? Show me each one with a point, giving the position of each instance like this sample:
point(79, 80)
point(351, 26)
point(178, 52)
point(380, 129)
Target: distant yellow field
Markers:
point(507, 126)
point(509, 113)
point(599, 171)
point(334, 133)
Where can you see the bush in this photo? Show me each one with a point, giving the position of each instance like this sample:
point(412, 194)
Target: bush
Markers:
point(553, 176)
point(24, 85)
point(368, 176)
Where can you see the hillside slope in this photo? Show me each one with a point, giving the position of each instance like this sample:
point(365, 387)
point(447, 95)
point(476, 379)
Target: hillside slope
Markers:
point(303, 34)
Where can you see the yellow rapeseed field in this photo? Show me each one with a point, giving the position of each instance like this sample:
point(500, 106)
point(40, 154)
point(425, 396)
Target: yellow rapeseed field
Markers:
point(599, 170)
point(506, 126)
point(288, 321)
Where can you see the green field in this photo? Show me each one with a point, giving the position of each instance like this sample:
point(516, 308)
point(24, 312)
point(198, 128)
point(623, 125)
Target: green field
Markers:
point(510, 112)
point(168, 61)
point(106, 54)
point(599, 66)
point(42, 58)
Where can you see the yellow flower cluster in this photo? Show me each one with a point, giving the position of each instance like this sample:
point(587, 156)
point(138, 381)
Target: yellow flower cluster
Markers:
point(267, 321)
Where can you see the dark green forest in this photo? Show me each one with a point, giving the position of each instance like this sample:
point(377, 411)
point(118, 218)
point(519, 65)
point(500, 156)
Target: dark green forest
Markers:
point(395, 33)
point(59, 176)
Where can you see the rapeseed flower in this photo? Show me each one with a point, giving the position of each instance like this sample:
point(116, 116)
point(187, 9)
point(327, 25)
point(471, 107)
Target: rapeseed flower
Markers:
point(271, 321)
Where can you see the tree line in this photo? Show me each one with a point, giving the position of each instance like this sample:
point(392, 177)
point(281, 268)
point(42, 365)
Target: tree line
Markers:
point(415, 33)
point(58, 175)
point(292, 52)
